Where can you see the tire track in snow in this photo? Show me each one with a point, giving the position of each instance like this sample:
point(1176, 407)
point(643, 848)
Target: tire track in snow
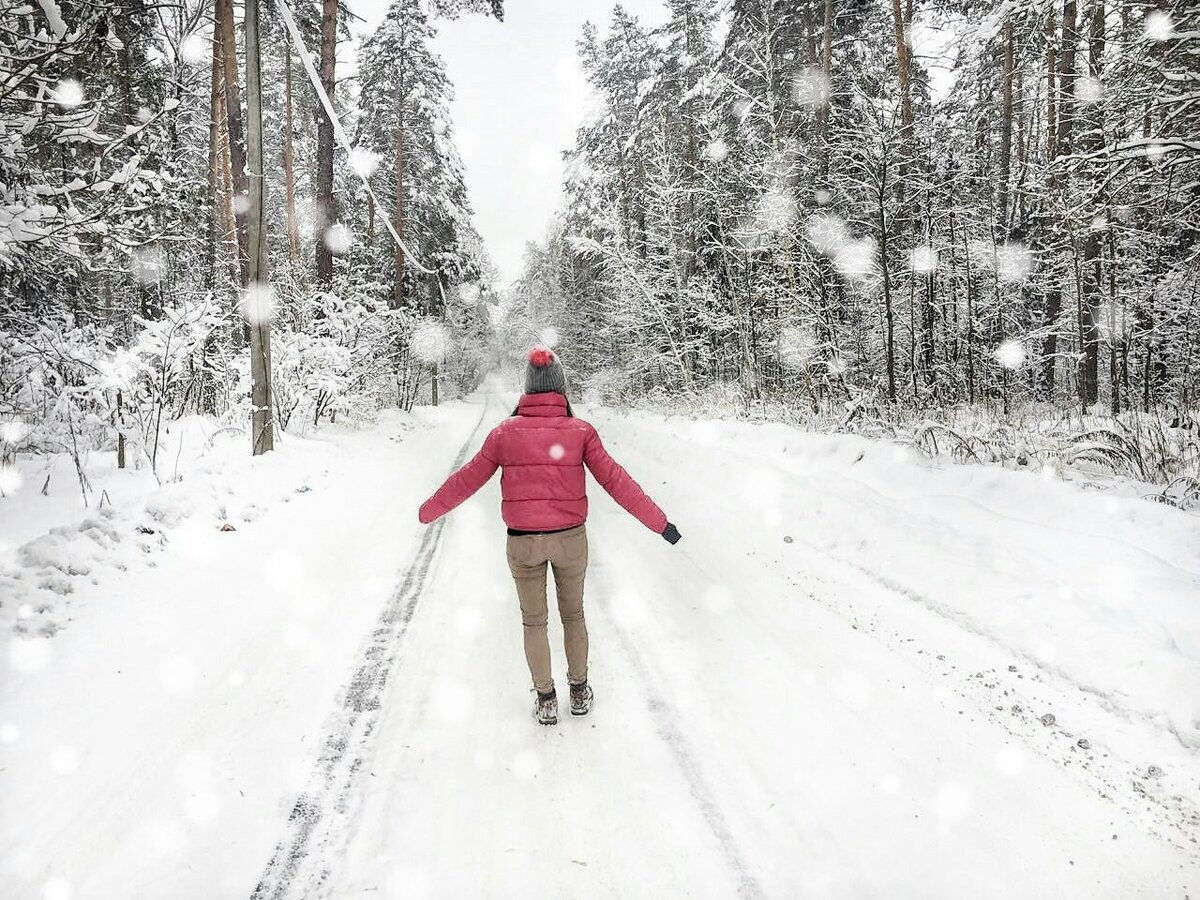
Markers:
point(665, 717)
point(298, 866)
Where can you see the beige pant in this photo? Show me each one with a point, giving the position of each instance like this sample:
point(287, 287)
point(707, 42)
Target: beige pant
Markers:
point(566, 552)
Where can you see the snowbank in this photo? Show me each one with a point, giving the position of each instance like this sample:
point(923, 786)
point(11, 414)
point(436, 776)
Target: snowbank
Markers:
point(1100, 588)
point(48, 542)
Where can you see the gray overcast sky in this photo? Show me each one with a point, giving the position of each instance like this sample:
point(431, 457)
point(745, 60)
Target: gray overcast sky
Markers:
point(519, 94)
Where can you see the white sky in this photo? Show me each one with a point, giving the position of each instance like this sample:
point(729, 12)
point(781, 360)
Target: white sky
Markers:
point(519, 95)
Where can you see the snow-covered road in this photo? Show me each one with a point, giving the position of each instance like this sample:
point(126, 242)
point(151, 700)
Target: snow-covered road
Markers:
point(832, 687)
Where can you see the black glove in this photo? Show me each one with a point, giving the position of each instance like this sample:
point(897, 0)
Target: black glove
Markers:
point(671, 533)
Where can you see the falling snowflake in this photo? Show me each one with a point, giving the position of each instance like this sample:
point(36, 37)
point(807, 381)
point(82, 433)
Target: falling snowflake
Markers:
point(338, 239)
point(296, 636)
point(147, 264)
point(1011, 354)
point(10, 479)
point(469, 293)
point(827, 232)
point(409, 882)
point(203, 807)
point(1089, 90)
point(241, 204)
point(453, 702)
point(548, 336)
point(822, 197)
point(797, 346)
point(64, 759)
point(526, 765)
point(162, 836)
point(740, 108)
point(194, 49)
point(1159, 26)
point(855, 259)
point(177, 674)
point(1014, 262)
point(145, 114)
point(953, 803)
point(363, 162)
point(776, 210)
point(1099, 223)
point(1010, 760)
point(29, 654)
point(717, 598)
point(430, 341)
point(1155, 151)
point(556, 451)
point(923, 260)
point(811, 87)
point(68, 93)
point(853, 688)
point(468, 621)
point(257, 303)
point(717, 150)
point(484, 760)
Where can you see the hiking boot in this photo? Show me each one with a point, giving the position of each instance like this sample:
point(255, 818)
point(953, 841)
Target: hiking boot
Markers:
point(581, 699)
point(545, 708)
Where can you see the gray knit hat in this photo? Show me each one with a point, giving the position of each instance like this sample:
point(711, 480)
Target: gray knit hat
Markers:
point(544, 372)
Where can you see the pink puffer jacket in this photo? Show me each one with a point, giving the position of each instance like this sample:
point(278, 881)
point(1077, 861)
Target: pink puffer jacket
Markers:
point(542, 451)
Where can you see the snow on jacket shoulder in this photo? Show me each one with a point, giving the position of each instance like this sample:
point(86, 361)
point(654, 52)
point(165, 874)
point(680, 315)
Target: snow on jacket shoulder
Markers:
point(542, 452)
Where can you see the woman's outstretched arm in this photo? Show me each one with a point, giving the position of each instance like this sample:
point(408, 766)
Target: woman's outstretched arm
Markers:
point(462, 484)
point(621, 486)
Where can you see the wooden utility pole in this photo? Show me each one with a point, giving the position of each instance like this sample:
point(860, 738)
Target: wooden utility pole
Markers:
point(263, 425)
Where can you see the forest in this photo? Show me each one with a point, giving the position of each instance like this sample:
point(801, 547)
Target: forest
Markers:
point(771, 207)
point(787, 210)
point(576, 449)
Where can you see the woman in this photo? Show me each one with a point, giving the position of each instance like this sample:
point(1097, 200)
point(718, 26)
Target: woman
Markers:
point(542, 449)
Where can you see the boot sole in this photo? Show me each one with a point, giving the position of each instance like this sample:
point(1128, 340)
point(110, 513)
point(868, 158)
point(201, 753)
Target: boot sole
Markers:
point(584, 712)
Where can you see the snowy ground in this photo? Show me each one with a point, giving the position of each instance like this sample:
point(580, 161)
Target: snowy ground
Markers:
point(856, 676)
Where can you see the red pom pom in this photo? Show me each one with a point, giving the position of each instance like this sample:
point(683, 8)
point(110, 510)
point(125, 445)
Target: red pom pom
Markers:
point(540, 357)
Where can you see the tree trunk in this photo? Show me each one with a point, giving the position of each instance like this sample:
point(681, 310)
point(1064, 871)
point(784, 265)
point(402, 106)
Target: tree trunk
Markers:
point(1051, 90)
point(1006, 114)
point(233, 116)
point(827, 70)
point(1066, 70)
point(1089, 382)
point(214, 160)
point(262, 424)
point(906, 114)
point(398, 258)
point(1053, 289)
point(289, 161)
point(326, 214)
point(889, 316)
